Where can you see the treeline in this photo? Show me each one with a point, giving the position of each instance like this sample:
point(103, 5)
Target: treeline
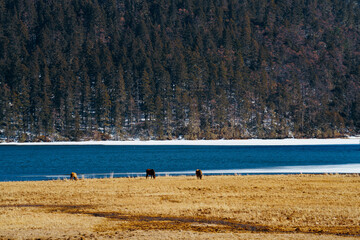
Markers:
point(164, 69)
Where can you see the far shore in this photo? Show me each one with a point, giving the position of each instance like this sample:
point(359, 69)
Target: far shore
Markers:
point(220, 142)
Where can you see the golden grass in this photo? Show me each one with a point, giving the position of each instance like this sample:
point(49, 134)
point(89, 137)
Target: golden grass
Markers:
point(222, 207)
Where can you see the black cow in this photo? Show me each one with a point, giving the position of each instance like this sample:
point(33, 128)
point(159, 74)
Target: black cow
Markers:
point(198, 174)
point(151, 173)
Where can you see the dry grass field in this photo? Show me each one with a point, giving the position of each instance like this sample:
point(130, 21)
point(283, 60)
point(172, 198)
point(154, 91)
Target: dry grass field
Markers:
point(217, 207)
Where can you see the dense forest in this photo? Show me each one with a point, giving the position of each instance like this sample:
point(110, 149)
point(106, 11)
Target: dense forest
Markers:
point(163, 69)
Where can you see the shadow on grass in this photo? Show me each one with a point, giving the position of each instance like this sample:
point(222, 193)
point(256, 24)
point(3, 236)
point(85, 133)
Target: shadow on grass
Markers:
point(198, 224)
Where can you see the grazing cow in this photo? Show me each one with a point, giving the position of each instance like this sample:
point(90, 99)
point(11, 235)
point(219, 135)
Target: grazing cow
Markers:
point(73, 176)
point(151, 173)
point(198, 174)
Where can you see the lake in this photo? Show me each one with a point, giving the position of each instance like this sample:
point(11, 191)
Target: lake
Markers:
point(20, 163)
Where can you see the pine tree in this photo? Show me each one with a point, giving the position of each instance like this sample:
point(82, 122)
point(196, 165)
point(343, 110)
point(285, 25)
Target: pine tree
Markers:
point(148, 96)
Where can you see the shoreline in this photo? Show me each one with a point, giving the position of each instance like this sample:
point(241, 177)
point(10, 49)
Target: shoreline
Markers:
point(189, 176)
point(241, 142)
point(331, 169)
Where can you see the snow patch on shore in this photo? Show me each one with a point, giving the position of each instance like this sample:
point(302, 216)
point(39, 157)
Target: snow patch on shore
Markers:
point(246, 142)
point(309, 169)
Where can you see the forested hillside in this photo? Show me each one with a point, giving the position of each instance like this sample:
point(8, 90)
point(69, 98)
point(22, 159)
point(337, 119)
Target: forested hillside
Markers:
point(165, 69)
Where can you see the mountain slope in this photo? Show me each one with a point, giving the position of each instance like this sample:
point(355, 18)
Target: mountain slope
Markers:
point(87, 69)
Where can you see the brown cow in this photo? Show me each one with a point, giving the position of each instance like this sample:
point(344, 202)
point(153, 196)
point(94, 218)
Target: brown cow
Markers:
point(151, 173)
point(73, 176)
point(198, 174)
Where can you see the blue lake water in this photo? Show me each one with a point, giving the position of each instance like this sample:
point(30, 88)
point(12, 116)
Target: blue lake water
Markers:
point(20, 163)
